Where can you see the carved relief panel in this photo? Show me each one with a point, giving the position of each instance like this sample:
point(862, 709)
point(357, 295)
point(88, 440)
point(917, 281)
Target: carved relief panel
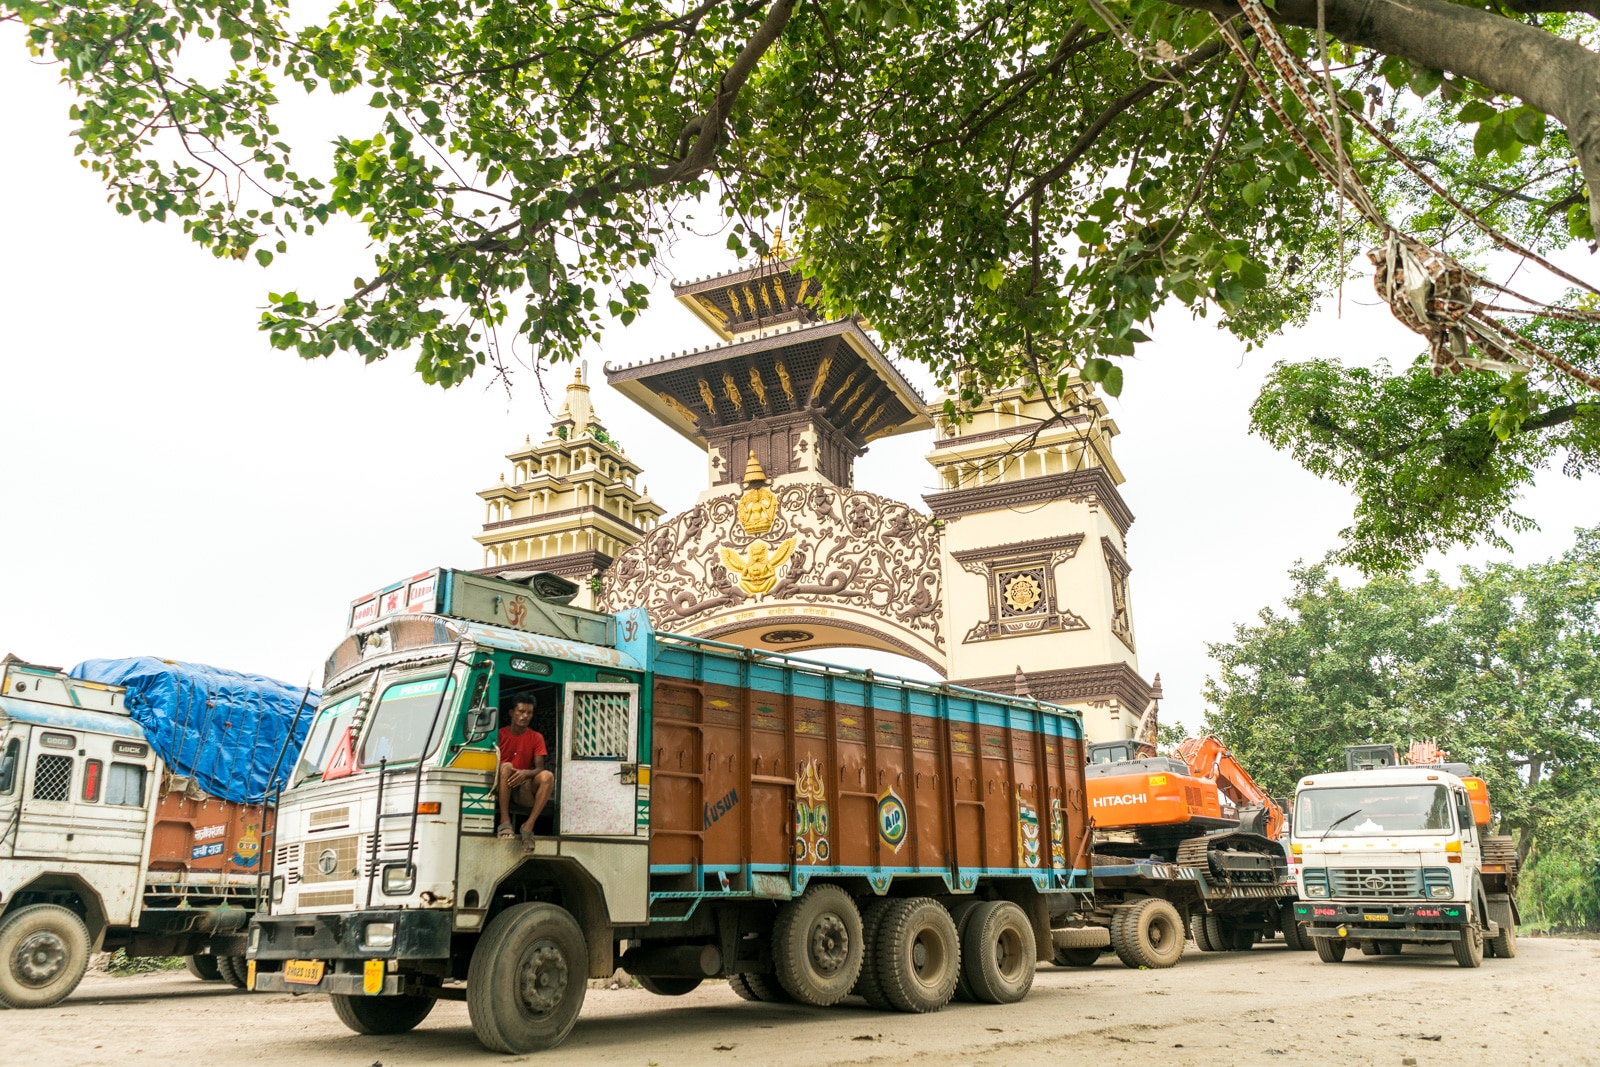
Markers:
point(1021, 584)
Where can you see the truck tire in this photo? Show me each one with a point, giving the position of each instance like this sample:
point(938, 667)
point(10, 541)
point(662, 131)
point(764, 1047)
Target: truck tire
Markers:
point(1077, 957)
point(818, 945)
point(918, 955)
point(1216, 933)
point(740, 984)
point(203, 968)
point(998, 953)
point(962, 914)
point(1237, 939)
point(668, 987)
point(1468, 949)
point(1148, 933)
point(1329, 949)
point(767, 989)
point(44, 950)
point(867, 985)
point(1293, 936)
point(233, 970)
point(1197, 933)
point(381, 1015)
point(527, 979)
point(1504, 944)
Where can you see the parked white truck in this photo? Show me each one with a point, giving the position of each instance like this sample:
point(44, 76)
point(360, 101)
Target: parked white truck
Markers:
point(106, 845)
point(1388, 854)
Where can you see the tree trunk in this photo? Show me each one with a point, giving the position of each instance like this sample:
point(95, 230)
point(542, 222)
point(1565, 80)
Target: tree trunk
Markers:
point(1557, 76)
point(1525, 838)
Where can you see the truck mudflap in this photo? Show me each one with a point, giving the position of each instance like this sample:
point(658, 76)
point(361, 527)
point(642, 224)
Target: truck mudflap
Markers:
point(379, 934)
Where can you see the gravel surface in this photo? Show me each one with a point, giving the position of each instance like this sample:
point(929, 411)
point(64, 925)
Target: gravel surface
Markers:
point(1268, 1006)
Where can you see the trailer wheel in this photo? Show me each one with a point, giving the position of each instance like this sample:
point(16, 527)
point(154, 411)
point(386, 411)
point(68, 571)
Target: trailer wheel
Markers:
point(998, 953)
point(767, 989)
point(1329, 949)
point(962, 914)
point(44, 950)
point(918, 955)
point(1239, 939)
point(867, 984)
point(1469, 949)
point(203, 968)
point(1148, 933)
point(381, 1015)
point(1216, 933)
point(668, 987)
point(1077, 957)
point(1504, 944)
point(740, 984)
point(527, 978)
point(1197, 933)
point(817, 946)
point(233, 970)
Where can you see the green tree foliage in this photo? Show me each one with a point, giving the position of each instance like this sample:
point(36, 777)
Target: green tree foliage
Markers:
point(1501, 669)
point(1007, 189)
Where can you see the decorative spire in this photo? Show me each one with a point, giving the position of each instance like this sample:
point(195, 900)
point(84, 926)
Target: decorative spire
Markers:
point(753, 474)
point(777, 250)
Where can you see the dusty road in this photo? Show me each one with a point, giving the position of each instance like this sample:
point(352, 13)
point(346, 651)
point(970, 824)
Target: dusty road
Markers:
point(1266, 1006)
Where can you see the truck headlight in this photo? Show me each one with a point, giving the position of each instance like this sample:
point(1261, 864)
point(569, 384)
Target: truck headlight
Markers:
point(278, 884)
point(378, 935)
point(1439, 892)
point(399, 879)
point(1316, 889)
point(255, 938)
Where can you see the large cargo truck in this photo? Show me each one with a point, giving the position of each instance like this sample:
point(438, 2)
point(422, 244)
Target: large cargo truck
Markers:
point(105, 844)
point(801, 830)
point(1389, 853)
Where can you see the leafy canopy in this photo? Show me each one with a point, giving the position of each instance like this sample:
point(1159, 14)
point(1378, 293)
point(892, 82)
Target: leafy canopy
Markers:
point(1006, 189)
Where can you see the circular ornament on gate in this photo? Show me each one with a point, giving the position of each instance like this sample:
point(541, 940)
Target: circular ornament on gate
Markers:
point(892, 821)
point(1022, 592)
point(327, 861)
point(786, 637)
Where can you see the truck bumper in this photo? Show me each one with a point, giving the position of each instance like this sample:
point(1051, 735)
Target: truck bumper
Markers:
point(1382, 933)
point(1340, 913)
point(417, 935)
point(352, 985)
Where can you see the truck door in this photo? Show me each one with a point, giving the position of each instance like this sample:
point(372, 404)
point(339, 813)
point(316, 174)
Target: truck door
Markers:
point(13, 751)
point(599, 765)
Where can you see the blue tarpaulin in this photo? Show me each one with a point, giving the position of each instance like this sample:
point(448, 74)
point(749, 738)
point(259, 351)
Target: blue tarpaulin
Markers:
point(225, 729)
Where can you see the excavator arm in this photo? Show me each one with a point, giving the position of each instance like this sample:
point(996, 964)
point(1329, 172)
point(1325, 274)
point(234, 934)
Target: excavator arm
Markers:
point(1208, 757)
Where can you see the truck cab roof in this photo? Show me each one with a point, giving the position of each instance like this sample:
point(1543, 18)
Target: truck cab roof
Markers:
point(1382, 776)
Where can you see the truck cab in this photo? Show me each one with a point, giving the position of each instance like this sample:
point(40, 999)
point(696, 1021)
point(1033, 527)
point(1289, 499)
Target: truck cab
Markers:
point(1388, 856)
point(77, 781)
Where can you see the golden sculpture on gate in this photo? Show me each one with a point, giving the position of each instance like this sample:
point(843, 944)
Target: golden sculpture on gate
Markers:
point(758, 568)
point(758, 506)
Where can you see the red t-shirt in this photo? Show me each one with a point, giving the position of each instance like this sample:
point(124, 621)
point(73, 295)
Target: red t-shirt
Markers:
point(519, 750)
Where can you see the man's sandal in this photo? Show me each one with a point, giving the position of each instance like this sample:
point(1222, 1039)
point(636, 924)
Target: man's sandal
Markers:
point(527, 840)
point(505, 833)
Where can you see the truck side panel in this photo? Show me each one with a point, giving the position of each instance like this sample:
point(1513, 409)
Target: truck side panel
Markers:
point(761, 767)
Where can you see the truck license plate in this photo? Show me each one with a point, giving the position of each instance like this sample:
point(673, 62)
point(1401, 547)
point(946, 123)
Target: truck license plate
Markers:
point(1375, 918)
point(303, 972)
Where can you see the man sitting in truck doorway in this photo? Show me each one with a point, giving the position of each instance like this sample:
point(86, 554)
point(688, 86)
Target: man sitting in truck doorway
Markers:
point(523, 776)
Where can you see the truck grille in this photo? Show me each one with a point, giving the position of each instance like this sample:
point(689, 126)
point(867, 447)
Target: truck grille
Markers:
point(286, 861)
point(1376, 883)
point(328, 898)
point(344, 865)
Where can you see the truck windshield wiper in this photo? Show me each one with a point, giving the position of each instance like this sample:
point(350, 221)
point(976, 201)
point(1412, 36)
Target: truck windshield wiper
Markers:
point(1336, 822)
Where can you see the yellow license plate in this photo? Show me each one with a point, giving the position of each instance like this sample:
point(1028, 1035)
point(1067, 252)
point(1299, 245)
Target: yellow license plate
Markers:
point(303, 972)
point(1375, 918)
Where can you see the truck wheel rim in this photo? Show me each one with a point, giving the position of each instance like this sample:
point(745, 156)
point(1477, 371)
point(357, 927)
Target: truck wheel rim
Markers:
point(39, 958)
point(830, 944)
point(929, 960)
point(1008, 953)
point(544, 978)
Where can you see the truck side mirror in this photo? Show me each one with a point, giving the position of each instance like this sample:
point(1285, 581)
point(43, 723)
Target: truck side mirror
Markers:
point(481, 723)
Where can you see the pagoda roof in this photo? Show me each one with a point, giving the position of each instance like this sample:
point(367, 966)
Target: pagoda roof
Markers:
point(766, 294)
point(776, 372)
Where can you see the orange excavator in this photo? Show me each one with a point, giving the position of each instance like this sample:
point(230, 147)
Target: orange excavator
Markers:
point(1201, 812)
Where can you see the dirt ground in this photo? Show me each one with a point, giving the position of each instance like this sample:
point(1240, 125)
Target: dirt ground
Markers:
point(1268, 1006)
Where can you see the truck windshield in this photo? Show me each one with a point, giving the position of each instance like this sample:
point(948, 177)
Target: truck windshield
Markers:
point(405, 713)
point(324, 737)
point(1383, 809)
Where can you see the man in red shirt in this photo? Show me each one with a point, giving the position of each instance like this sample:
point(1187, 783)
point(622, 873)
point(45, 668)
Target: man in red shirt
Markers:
point(522, 772)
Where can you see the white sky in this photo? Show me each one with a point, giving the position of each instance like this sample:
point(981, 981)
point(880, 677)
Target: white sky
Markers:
point(173, 486)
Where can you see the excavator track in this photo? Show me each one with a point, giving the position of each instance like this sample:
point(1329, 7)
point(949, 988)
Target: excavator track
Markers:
point(1236, 859)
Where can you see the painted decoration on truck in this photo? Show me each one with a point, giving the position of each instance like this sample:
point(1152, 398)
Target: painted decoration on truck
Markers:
point(892, 821)
point(810, 814)
point(1027, 834)
point(247, 850)
point(1058, 836)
